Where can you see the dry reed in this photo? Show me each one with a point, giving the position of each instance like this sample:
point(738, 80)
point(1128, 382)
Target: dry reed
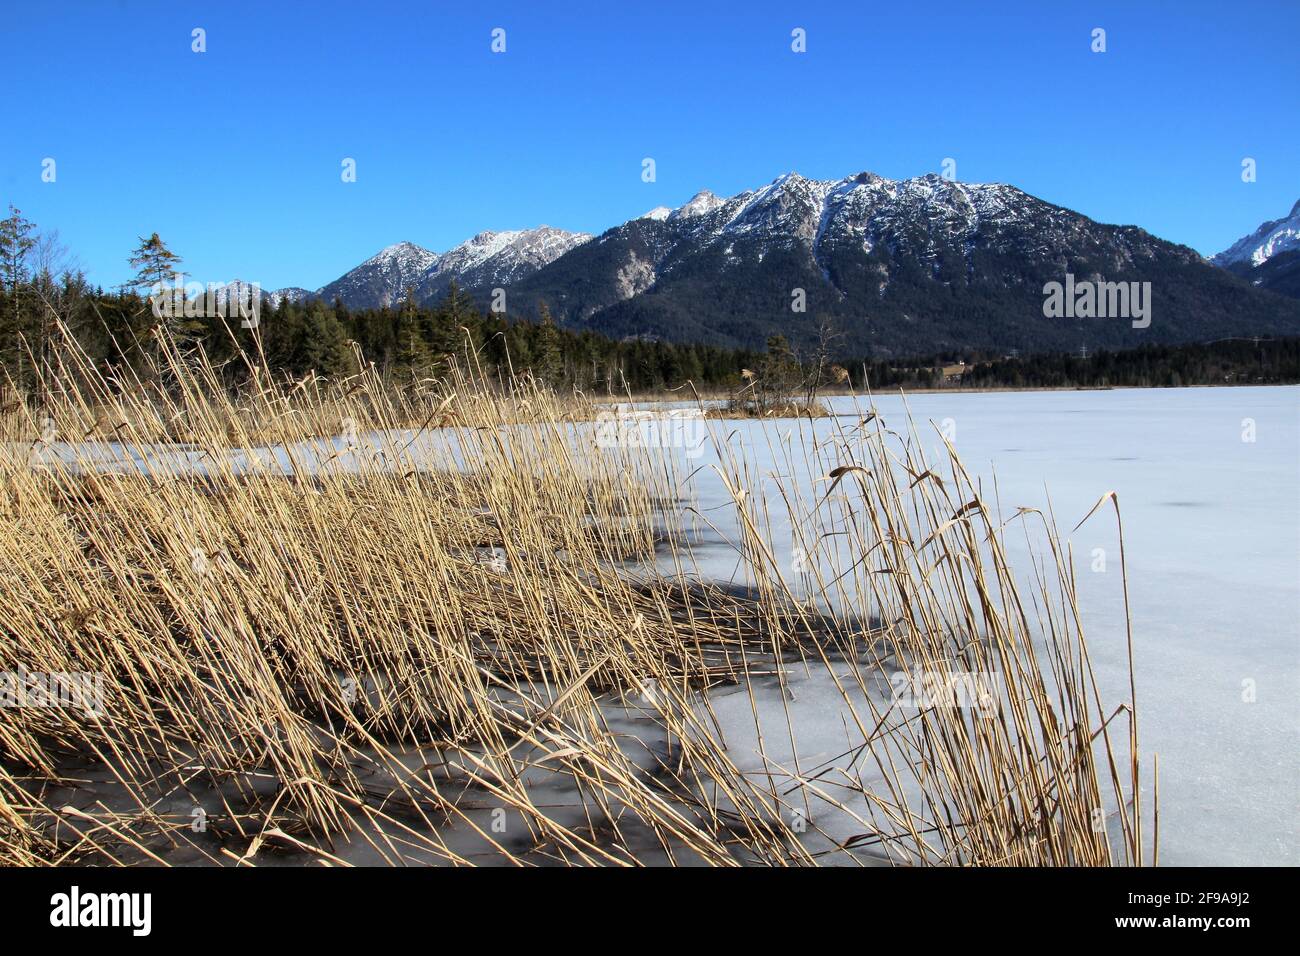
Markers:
point(344, 623)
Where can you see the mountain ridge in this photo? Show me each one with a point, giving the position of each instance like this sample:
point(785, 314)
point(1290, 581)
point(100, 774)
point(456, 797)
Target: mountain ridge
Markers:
point(919, 264)
point(486, 257)
point(1269, 257)
point(902, 266)
point(1271, 238)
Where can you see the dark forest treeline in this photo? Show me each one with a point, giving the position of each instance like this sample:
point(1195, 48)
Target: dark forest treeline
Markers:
point(42, 291)
point(416, 341)
point(412, 341)
point(407, 342)
point(1225, 362)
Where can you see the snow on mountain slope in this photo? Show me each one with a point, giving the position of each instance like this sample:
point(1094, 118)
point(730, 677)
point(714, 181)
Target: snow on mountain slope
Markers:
point(920, 256)
point(911, 264)
point(291, 293)
point(496, 259)
point(700, 204)
point(918, 217)
point(382, 279)
point(1270, 239)
point(489, 258)
point(924, 218)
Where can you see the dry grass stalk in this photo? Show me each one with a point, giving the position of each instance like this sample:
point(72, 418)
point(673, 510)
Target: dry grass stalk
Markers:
point(379, 644)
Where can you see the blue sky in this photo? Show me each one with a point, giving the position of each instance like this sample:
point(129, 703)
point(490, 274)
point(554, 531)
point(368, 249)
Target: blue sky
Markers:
point(234, 155)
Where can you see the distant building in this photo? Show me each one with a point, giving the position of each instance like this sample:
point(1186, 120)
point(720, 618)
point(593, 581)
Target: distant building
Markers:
point(951, 373)
point(943, 374)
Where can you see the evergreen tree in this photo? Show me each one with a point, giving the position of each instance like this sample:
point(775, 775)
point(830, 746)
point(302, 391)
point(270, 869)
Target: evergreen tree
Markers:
point(444, 328)
point(325, 343)
point(414, 358)
point(154, 263)
point(16, 241)
point(548, 362)
point(778, 373)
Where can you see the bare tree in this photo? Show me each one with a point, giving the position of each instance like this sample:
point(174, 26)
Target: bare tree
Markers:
point(50, 257)
point(821, 371)
point(56, 276)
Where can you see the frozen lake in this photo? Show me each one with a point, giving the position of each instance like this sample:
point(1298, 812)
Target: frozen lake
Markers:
point(1208, 481)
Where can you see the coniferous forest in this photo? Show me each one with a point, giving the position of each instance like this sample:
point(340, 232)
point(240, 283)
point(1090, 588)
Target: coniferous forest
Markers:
point(406, 343)
point(40, 288)
point(417, 341)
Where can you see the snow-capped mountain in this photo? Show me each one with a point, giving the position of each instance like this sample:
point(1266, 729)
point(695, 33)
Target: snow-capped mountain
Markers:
point(916, 264)
point(382, 280)
point(1270, 239)
point(900, 266)
point(1269, 258)
point(701, 203)
point(496, 259)
point(291, 293)
point(921, 218)
point(488, 259)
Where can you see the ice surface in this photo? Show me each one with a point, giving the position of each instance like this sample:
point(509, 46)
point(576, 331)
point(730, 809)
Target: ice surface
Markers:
point(1212, 543)
point(1208, 480)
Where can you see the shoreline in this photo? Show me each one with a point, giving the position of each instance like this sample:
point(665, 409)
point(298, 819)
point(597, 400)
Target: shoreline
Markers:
point(687, 397)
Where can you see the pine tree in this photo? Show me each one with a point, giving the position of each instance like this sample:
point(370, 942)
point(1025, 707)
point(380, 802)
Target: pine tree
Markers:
point(777, 373)
point(444, 334)
point(414, 357)
point(548, 360)
point(325, 342)
point(16, 241)
point(154, 263)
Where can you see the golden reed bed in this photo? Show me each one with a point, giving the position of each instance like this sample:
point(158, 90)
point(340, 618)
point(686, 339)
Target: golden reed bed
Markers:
point(394, 654)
